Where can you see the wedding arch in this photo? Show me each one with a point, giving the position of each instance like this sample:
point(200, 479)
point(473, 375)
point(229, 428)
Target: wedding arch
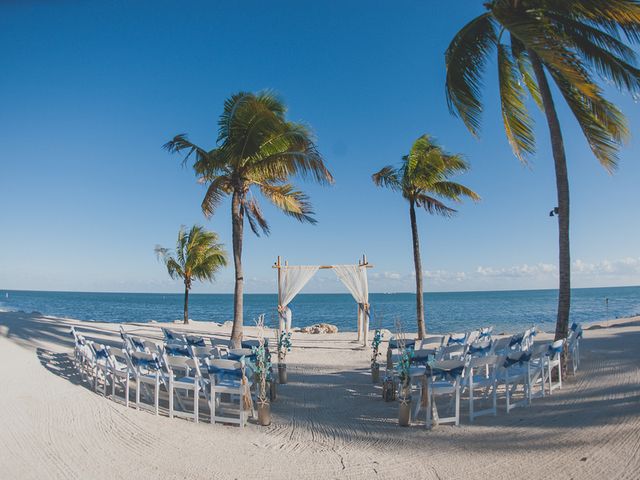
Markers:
point(292, 278)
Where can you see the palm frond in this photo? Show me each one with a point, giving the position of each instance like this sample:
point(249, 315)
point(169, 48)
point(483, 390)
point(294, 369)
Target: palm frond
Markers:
point(539, 35)
point(602, 123)
point(217, 189)
point(519, 53)
point(517, 122)
point(610, 15)
point(255, 217)
point(174, 269)
point(180, 144)
point(609, 57)
point(434, 206)
point(387, 177)
point(291, 201)
point(454, 191)
point(466, 58)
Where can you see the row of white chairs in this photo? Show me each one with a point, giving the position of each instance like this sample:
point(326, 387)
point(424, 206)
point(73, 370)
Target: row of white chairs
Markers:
point(182, 377)
point(483, 367)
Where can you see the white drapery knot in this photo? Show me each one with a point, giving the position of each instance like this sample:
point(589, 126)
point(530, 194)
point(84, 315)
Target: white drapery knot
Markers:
point(282, 308)
point(364, 306)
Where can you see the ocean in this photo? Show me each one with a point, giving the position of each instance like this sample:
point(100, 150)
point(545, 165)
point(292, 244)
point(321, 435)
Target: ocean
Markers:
point(507, 311)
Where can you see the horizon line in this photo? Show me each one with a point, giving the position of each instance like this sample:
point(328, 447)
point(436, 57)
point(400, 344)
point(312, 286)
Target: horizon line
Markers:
point(316, 293)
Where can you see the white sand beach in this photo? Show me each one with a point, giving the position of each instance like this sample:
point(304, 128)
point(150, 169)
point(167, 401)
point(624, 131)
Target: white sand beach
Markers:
point(329, 421)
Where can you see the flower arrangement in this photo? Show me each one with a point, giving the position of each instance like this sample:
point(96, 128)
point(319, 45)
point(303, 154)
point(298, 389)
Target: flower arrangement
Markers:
point(262, 362)
point(284, 345)
point(403, 371)
point(375, 347)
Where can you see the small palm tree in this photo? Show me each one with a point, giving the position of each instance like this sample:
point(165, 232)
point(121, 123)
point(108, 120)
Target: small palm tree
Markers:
point(257, 149)
point(570, 41)
point(423, 176)
point(198, 256)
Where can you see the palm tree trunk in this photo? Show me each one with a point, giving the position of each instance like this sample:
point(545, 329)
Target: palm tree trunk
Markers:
point(562, 186)
point(422, 331)
point(237, 222)
point(186, 304)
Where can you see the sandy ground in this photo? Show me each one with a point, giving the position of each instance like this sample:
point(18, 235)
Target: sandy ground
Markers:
point(329, 420)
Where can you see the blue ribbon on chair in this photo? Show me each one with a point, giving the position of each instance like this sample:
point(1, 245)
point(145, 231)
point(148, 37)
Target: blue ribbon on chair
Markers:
point(235, 356)
point(102, 353)
point(456, 341)
point(574, 326)
point(420, 359)
point(509, 362)
point(148, 364)
point(394, 343)
point(473, 349)
point(449, 374)
point(138, 344)
point(484, 334)
point(555, 350)
point(225, 374)
point(516, 339)
point(195, 341)
point(177, 351)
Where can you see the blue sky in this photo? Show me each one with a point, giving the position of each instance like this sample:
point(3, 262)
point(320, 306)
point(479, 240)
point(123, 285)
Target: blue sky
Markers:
point(89, 91)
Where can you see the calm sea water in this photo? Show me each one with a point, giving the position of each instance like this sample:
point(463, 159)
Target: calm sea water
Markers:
point(445, 312)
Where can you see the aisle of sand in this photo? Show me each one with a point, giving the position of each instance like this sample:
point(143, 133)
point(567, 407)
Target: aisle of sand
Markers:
point(329, 421)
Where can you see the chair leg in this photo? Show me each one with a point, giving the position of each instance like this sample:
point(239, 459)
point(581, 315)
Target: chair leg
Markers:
point(170, 397)
point(560, 374)
point(457, 405)
point(429, 400)
point(495, 399)
point(157, 394)
point(126, 392)
point(212, 405)
point(196, 403)
point(138, 385)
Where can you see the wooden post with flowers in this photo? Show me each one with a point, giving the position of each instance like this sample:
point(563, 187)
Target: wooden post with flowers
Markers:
point(262, 373)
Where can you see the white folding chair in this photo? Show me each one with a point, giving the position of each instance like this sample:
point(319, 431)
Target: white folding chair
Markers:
point(553, 360)
point(184, 375)
point(444, 379)
point(101, 366)
point(121, 372)
point(573, 346)
point(226, 377)
point(480, 383)
point(147, 373)
point(522, 369)
point(452, 352)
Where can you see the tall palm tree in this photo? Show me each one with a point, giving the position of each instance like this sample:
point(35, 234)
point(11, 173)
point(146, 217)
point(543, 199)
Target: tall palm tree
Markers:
point(422, 176)
point(257, 149)
point(198, 256)
point(570, 41)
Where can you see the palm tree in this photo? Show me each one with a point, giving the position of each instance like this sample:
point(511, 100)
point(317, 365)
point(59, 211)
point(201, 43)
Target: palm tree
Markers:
point(423, 176)
point(198, 256)
point(570, 41)
point(257, 149)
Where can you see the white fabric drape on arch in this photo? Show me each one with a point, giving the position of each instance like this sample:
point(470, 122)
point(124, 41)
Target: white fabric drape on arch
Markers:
point(292, 280)
point(354, 278)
